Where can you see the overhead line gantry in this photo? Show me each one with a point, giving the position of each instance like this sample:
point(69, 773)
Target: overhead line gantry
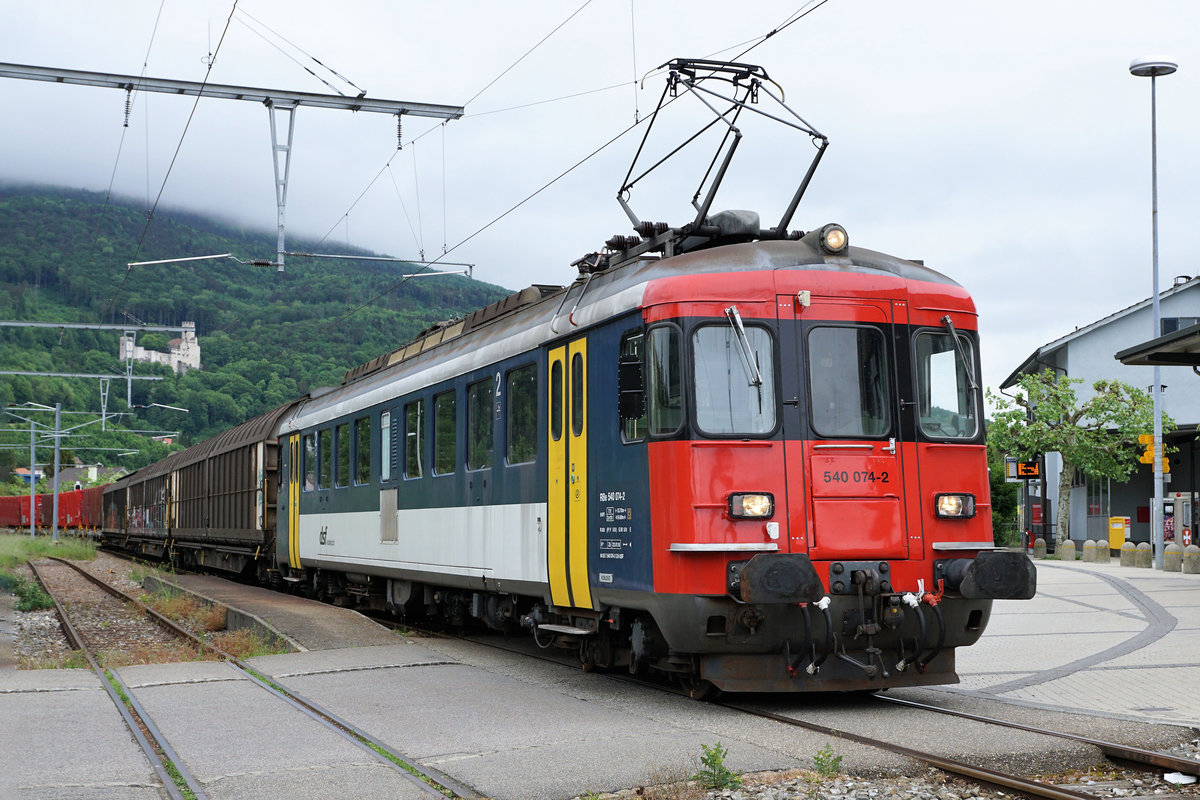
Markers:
point(275, 100)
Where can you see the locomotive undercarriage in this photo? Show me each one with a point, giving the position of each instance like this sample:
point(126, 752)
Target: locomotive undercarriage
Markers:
point(759, 637)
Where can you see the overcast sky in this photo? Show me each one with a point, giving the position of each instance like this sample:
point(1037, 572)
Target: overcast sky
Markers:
point(1006, 144)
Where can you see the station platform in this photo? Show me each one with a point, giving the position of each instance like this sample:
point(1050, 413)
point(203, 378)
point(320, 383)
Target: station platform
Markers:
point(1097, 639)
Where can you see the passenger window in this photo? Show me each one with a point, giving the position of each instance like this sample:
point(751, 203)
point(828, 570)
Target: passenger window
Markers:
point(362, 450)
point(577, 395)
point(521, 432)
point(479, 424)
point(556, 401)
point(325, 440)
point(341, 472)
point(445, 419)
point(663, 382)
point(385, 446)
point(309, 456)
point(414, 439)
point(848, 384)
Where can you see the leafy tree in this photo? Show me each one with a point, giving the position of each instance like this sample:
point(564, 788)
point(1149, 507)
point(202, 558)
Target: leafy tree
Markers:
point(1097, 435)
point(1004, 500)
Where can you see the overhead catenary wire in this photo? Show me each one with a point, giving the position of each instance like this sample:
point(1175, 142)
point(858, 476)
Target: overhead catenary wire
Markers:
point(796, 16)
point(528, 52)
point(244, 13)
point(167, 176)
point(129, 100)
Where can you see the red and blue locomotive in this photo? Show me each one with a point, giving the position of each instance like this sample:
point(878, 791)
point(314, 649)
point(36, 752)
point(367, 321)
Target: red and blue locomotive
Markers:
point(747, 458)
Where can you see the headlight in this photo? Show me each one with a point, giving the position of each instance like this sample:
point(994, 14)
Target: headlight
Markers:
point(747, 505)
point(954, 506)
point(834, 239)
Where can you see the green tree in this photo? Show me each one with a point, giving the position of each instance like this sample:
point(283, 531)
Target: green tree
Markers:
point(1097, 435)
point(1004, 500)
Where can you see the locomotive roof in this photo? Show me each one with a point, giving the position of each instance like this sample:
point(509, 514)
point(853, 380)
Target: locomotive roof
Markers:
point(528, 319)
point(761, 255)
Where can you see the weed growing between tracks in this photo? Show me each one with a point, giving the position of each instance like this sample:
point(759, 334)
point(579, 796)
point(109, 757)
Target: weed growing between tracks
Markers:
point(206, 620)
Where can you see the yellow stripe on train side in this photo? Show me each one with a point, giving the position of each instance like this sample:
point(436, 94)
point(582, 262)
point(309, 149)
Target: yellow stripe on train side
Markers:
point(577, 500)
point(557, 478)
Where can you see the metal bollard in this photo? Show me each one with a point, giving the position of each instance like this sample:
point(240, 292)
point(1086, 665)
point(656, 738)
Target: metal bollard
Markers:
point(1066, 550)
point(1089, 551)
point(1039, 547)
point(1191, 560)
point(1103, 554)
point(1128, 554)
point(1144, 557)
point(1172, 557)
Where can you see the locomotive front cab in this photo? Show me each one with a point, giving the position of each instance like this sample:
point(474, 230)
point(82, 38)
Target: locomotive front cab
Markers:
point(820, 488)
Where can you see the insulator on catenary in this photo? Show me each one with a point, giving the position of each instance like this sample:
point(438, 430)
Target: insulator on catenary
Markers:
point(128, 104)
point(648, 229)
point(620, 242)
point(399, 132)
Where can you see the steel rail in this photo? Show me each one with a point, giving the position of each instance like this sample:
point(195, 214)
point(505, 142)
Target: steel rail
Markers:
point(404, 765)
point(152, 751)
point(979, 774)
point(1113, 750)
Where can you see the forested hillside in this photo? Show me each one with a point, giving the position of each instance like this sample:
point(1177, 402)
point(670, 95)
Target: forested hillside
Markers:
point(265, 337)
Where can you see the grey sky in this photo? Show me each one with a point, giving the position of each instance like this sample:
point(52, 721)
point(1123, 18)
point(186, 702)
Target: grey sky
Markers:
point(1004, 144)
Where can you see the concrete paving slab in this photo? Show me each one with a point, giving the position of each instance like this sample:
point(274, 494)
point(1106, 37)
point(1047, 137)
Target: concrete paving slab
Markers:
point(42, 754)
point(1125, 652)
point(140, 675)
point(510, 739)
point(234, 737)
point(404, 653)
point(47, 680)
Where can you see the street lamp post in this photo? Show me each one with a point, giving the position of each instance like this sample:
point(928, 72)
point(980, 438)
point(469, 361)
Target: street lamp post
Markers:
point(1152, 67)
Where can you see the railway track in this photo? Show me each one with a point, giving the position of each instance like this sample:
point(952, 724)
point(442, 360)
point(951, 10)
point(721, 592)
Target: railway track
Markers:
point(1137, 758)
point(167, 764)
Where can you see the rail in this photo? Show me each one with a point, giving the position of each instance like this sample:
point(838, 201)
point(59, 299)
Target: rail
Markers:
point(432, 783)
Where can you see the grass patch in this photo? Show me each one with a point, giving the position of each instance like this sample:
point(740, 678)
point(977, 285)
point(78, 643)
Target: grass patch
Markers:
point(150, 653)
point(30, 594)
point(248, 644)
point(16, 549)
point(72, 660)
point(208, 621)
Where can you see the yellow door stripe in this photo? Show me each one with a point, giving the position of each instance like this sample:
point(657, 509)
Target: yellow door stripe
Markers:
point(556, 497)
point(294, 502)
point(578, 499)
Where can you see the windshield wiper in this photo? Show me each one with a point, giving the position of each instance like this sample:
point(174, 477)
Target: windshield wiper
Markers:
point(751, 364)
point(968, 367)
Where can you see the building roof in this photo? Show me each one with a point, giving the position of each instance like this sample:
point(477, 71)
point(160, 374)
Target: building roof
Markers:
point(1179, 348)
point(1043, 353)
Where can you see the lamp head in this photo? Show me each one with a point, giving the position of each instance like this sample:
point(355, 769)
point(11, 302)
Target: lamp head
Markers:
point(1152, 66)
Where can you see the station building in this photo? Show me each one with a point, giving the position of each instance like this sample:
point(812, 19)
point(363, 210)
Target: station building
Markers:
point(1091, 353)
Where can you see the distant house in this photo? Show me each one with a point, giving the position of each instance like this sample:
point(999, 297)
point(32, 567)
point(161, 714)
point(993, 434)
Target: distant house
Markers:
point(1089, 353)
point(182, 353)
point(87, 475)
point(23, 474)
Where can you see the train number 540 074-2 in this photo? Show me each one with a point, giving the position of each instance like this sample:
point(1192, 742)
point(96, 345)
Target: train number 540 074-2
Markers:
point(855, 476)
